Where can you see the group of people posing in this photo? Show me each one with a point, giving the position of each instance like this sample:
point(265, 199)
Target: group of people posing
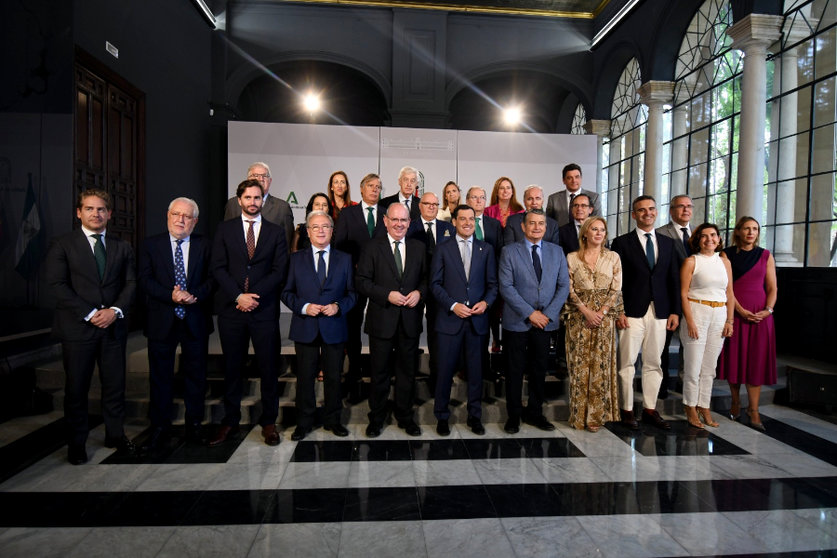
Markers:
point(383, 265)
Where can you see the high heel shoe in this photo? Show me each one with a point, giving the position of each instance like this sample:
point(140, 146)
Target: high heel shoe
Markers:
point(753, 424)
point(734, 412)
point(706, 416)
point(692, 417)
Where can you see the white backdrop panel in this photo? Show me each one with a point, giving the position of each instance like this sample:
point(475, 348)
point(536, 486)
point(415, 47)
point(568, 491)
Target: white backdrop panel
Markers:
point(432, 152)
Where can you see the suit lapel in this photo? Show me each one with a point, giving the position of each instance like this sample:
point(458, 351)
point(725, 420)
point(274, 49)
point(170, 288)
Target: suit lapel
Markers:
point(83, 246)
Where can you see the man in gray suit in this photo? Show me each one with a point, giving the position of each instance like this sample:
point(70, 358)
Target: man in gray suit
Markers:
point(558, 206)
point(274, 210)
point(534, 284)
point(678, 230)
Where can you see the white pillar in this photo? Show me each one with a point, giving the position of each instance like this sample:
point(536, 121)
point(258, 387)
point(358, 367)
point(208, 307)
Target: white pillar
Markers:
point(654, 94)
point(679, 151)
point(601, 129)
point(752, 35)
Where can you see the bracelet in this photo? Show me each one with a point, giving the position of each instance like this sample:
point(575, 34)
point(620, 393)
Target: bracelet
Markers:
point(731, 322)
point(769, 309)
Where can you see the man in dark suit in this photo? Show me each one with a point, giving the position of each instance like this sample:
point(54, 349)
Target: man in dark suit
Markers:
point(651, 291)
point(93, 279)
point(275, 210)
point(174, 278)
point(249, 263)
point(463, 296)
point(534, 284)
point(532, 199)
point(581, 209)
point(432, 232)
point(558, 206)
point(485, 228)
point(392, 274)
point(680, 211)
point(319, 292)
point(357, 225)
point(406, 196)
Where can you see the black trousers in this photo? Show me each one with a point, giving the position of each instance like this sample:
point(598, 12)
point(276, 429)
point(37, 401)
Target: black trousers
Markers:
point(310, 357)
point(527, 351)
point(404, 352)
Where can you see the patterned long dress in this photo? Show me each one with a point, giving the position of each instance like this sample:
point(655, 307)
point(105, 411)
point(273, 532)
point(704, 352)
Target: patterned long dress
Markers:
point(591, 353)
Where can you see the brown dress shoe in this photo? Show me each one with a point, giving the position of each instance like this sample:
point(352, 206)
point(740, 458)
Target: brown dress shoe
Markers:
point(223, 433)
point(628, 420)
point(651, 416)
point(270, 435)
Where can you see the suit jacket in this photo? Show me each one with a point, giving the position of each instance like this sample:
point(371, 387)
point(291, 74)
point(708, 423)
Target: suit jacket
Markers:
point(568, 235)
point(304, 287)
point(492, 232)
point(673, 232)
point(449, 285)
point(523, 293)
point(558, 204)
point(73, 278)
point(350, 232)
point(267, 269)
point(514, 233)
point(156, 281)
point(274, 210)
point(442, 233)
point(376, 276)
point(640, 284)
point(415, 210)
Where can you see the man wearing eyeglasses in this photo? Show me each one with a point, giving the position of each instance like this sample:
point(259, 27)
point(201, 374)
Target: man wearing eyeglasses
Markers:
point(678, 230)
point(174, 279)
point(580, 210)
point(406, 196)
point(319, 292)
point(275, 210)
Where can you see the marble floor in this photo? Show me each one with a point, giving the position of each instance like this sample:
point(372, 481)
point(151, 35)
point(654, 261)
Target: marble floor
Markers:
point(728, 491)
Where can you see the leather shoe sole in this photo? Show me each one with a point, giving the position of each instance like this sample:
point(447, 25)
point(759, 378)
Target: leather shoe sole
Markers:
point(221, 436)
point(337, 430)
point(442, 428)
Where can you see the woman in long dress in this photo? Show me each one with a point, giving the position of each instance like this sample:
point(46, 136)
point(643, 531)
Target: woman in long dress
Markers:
point(594, 303)
point(749, 357)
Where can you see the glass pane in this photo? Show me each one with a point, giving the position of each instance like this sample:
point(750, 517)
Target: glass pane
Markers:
point(716, 209)
point(699, 211)
point(824, 196)
point(823, 150)
point(804, 66)
point(699, 146)
point(697, 180)
point(802, 108)
point(787, 243)
point(723, 103)
point(825, 56)
point(718, 175)
point(721, 135)
point(822, 241)
point(786, 201)
point(825, 102)
point(788, 158)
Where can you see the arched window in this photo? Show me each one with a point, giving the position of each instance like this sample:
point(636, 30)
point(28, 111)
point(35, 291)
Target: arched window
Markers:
point(579, 120)
point(624, 151)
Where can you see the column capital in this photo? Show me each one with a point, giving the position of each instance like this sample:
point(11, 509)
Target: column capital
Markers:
point(600, 128)
point(656, 92)
point(756, 30)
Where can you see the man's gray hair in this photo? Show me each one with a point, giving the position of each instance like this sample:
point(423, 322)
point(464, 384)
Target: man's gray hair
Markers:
point(318, 213)
point(258, 164)
point(407, 170)
point(190, 201)
point(532, 187)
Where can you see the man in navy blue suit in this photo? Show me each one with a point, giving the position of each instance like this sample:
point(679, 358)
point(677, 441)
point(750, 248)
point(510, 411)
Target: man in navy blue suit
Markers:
point(249, 262)
point(534, 284)
point(651, 291)
point(532, 199)
point(463, 296)
point(432, 232)
point(580, 210)
point(319, 292)
point(174, 278)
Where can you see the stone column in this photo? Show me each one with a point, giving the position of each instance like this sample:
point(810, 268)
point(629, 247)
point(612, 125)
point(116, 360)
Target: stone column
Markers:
point(654, 94)
point(601, 129)
point(752, 35)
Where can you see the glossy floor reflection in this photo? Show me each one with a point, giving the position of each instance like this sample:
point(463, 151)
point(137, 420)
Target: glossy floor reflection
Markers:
point(620, 493)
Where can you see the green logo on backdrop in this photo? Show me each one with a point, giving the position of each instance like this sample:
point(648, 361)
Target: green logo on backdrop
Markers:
point(291, 199)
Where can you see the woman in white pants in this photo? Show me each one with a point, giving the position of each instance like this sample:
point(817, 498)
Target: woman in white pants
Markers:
point(708, 306)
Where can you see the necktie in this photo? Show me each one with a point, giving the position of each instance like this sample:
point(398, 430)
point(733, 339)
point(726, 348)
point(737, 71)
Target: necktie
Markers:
point(431, 240)
point(179, 276)
point(649, 250)
point(465, 250)
point(536, 262)
point(685, 232)
point(479, 229)
point(370, 221)
point(251, 249)
point(407, 203)
point(321, 267)
point(398, 264)
point(570, 209)
point(100, 255)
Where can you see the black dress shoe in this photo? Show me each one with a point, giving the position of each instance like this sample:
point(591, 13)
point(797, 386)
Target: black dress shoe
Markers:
point(540, 423)
point(300, 433)
point(122, 445)
point(373, 430)
point(410, 427)
point(476, 426)
point(337, 429)
point(628, 420)
point(194, 434)
point(158, 440)
point(76, 454)
point(223, 433)
point(653, 418)
point(512, 426)
point(442, 428)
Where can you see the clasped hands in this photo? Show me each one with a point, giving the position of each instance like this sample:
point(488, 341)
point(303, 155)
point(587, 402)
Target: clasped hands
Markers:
point(324, 309)
point(463, 311)
point(410, 300)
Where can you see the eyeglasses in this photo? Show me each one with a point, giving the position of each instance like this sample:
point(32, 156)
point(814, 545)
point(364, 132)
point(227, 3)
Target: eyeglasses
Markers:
point(317, 228)
point(397, 220)
point(476, 197)
point(177, 215)
point(683, 206)
point(254, 176)
point(429, 204)
point(581, 205)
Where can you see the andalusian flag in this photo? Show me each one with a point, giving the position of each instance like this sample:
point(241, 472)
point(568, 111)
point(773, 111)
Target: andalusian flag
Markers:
point(29, 249)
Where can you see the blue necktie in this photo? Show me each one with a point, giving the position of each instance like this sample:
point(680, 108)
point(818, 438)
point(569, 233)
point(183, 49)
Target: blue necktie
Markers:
point(685, 233)
point(321, 267)
point(536, 261)
point(649, 250)
point(179, 276)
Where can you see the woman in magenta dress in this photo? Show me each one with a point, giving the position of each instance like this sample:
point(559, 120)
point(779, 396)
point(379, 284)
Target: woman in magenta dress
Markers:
point(749, 357)
point(503, 200)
